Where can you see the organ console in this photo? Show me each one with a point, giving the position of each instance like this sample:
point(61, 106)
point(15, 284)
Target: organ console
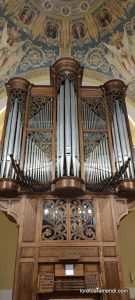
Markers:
point(67, 168)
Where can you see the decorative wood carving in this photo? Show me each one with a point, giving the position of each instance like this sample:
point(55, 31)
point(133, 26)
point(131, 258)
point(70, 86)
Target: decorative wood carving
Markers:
point(12, 209)
point(92, 280)
point(69, 284)
point(46, 282)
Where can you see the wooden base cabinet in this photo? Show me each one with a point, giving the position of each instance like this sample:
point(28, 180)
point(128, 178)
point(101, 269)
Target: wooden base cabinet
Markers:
point(69, 259)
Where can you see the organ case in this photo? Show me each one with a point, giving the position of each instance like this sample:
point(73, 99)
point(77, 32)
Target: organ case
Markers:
point(66, 163)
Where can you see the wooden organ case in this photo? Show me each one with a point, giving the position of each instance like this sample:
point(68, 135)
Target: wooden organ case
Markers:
point(67, 178)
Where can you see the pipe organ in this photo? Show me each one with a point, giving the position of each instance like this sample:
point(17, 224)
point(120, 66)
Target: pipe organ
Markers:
point(68, 170)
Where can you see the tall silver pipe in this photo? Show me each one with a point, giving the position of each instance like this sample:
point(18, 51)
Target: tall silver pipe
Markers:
point(58, 135)
point(6, 141)
point(118, 145)
point(17, 138)
point(90, 117)
point(61, 130)
point(123, 144)
point(11, 137)
point(131, 166)
point(38, 165)
point(75, 138)
point(108, 157)
point(29, 156)
point(67, 127)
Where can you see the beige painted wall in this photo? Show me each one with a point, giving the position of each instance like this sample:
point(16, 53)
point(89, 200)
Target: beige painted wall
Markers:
point(8, 241)
point(127, 247)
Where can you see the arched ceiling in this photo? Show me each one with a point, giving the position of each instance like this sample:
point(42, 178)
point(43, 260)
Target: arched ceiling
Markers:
point(100, 34)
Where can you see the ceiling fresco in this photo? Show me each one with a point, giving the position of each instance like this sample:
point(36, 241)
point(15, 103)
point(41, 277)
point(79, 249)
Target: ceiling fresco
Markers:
point(100, 34)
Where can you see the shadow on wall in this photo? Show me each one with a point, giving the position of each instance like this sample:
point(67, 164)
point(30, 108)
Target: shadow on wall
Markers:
point(8, 242)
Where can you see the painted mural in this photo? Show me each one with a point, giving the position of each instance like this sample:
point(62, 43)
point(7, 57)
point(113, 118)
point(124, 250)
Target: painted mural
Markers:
point(100, 34)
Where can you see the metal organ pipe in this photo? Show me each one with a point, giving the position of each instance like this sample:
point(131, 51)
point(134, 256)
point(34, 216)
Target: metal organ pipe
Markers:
point(74, 129)
point(6, 141)
point(37, 165)
point(131, 166)
point(91, 120)
point(67, 127)
point(97, 165)
point(11, 138)
point(120, 139)
point(67, 131)
point(12, 142)
point(61, 130)
point(58, 136)
point(42, 118)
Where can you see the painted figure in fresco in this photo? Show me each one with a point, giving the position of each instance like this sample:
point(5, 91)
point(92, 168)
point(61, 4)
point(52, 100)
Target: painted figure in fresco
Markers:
point(48, 5)
point(10, 50)
point(26, 15)
point(52, 30)
point(66, 11)
point(122, 55)
point(104, 17)
point(78, 31)
point(84, 5)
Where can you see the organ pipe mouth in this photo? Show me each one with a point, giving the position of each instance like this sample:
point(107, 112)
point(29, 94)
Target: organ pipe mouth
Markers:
point(9, 188)
point(68, 185)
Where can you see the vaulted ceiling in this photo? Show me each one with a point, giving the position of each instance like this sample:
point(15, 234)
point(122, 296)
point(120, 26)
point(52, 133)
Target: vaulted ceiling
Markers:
point(100, 34)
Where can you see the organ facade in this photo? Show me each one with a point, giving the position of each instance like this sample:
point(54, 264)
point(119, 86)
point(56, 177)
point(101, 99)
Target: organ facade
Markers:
point(67, 178)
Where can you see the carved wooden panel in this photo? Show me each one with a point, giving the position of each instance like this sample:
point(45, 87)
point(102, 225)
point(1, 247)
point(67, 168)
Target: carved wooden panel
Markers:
point(25, 284)
point(47, 268)
point(46, 282)
point(56, 225)
point(29, 221)
point(12, 209)
point(109, 251)
point(27, 252)
point(62, 251)
point(112, 275)
point(69, 283)
point(113, 280)
point(92, 280)
point(106, 218)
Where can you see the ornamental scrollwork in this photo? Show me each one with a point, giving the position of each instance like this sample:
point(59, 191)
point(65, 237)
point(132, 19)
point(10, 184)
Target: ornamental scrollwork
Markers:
point(90, 141)
point(65, 75)
point(20, 95)
point(37, 103)
point(43, 140)
point(54, 226)
point(93, 113)
point(82, 220)
point(113, 98)
point(80, 225)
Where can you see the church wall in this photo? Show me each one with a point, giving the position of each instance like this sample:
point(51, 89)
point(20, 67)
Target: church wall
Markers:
point(127, 248)
point(8, 241)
